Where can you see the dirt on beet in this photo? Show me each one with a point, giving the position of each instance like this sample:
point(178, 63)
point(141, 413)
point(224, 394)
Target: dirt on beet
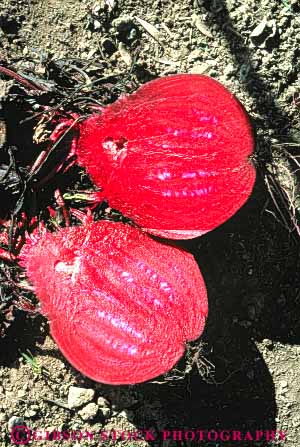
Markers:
point(244, 373)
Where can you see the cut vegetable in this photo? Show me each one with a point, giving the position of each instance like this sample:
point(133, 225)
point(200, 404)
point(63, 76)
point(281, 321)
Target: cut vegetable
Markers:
point(173, 156)
point(120, 305)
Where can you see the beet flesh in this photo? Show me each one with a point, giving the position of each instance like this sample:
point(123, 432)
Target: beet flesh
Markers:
point(120, 305)
point(173, 156)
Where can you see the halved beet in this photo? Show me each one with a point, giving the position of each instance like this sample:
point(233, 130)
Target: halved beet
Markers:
point(173, 156)
point(120, 305)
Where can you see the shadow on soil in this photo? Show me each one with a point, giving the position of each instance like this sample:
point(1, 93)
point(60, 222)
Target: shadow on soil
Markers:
point(251, 267)
point(252, 271)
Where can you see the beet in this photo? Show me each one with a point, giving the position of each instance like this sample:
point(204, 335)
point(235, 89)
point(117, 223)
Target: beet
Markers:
point(120, 305)
point(173, 156)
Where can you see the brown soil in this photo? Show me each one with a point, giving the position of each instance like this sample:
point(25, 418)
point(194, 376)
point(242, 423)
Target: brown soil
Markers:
point(245, 374)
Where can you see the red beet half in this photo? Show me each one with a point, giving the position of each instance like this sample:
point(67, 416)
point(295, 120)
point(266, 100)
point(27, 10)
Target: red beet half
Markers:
point(120, 305)
point(173, 156)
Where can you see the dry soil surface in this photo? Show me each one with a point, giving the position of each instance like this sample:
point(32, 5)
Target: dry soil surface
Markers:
point(245, 375)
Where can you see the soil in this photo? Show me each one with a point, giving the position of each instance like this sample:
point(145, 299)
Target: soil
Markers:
point(245, 373)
